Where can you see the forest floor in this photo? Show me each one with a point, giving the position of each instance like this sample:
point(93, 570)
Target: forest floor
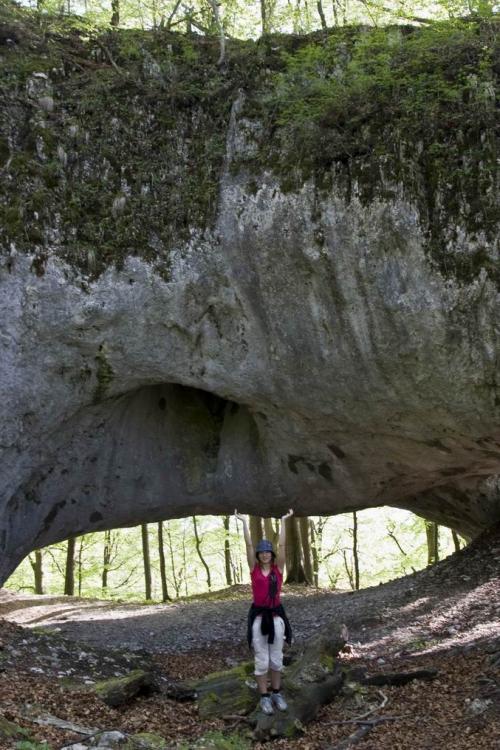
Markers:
point(53, 649)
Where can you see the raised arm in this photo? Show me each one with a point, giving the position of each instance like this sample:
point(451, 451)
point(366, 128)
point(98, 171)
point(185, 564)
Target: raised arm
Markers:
point(281, 557)
point(248, 540)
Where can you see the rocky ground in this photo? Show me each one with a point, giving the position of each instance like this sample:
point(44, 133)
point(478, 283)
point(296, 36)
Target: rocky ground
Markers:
point(54, 650)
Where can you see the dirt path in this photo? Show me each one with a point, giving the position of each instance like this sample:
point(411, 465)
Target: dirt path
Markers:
point(447, 616)
point(457, 600)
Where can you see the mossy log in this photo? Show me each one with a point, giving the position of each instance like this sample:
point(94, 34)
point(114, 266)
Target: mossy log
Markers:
point(120, 690)
point(312, 680)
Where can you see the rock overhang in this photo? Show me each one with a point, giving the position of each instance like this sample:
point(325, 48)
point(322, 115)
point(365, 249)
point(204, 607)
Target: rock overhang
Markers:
point(303, 349)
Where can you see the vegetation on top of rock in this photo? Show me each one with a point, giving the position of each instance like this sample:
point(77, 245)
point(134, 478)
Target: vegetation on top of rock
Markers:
point(390, 112)
point(113, 143)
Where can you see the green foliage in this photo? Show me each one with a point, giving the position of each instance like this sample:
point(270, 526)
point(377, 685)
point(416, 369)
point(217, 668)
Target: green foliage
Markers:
point(391, 543)
point(370, 109)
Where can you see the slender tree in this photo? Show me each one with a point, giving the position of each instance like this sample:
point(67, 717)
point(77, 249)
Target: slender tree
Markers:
point(168, 24)
point(175, 577)
point(215, 4)
point(304, 528)
point(271, 531)
point(227, 551)
point(321, 13)
point(36, 563)
point(456, 540)
point(355, 553)
point(200, 555)
point(314, 552)
point(115, 13)
point(106, 560)
point(255, 526)
point(294, 568)
point(348, 569)
point(69, 571)
point(432, 535)
point(184, 569)
point(339, 8)
point(267, 12)
point(146, 560)
point(163, 568)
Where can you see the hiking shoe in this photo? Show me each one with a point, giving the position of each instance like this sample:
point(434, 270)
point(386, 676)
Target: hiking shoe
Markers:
point(279, 701)
point(266, 705)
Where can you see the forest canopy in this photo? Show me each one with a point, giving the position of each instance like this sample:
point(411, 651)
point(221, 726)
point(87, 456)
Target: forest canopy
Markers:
point(241, 19)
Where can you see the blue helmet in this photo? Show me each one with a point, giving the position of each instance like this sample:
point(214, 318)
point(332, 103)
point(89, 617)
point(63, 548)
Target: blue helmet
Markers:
point(264, 546)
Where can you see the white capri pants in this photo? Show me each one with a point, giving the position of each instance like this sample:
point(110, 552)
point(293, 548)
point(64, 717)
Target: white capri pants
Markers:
point(268, 655)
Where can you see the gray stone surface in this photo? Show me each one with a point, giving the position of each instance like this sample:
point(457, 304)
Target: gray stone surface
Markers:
point(304, 353)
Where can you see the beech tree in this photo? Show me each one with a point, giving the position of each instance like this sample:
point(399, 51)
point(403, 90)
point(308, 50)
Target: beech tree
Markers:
point(146, 560)
point(325, 551)
point(69, 575)
point(227, 551)
point(432, 534)
point(295, 572)
point(163, 568)
point(200, 554)
point(36, 562)
point(256, 532)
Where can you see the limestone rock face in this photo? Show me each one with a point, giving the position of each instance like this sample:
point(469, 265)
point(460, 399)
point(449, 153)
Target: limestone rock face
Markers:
point(269, 372)
point(304, 351)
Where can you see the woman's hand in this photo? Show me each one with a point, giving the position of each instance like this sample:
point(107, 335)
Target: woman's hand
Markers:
point(239, 516)
point(287, 515)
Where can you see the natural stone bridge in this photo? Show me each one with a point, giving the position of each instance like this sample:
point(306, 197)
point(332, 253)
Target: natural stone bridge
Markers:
point(308, 345)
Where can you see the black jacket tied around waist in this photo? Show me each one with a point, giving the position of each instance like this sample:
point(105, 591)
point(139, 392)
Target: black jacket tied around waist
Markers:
point(267, 625)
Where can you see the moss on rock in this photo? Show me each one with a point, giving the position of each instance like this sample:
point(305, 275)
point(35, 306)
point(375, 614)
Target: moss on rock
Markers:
point(128, 159)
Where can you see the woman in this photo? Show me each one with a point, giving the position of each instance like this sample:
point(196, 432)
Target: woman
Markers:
point(268, 625)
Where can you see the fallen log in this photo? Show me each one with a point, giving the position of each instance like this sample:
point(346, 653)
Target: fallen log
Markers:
point(399, 678)
point(119, 690)
point(311, 681)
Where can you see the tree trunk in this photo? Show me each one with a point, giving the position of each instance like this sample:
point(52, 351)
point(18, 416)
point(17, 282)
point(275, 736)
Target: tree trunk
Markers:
point(321, 12)
point(222, 39)
point(115, 13)
point(227, 551)
point(294, 568)
point(106, 560)
point(255, 526)
point(304, 527)
point(168, 25)
point(263, 16)
point(355, 555)
point(348, 570)
point(315, 553)
point(198, 549)
point(177, 585)
point(456, 540)
point(313, 680)
point(80, 564)
point(163, 568)
point(37, 566)
point(147, 560)
point(271, 532)
point(184, 562)
point(432, 534)
point(69, 575)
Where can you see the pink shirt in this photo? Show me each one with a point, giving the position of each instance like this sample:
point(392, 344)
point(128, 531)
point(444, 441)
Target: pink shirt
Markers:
point(260, 586)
